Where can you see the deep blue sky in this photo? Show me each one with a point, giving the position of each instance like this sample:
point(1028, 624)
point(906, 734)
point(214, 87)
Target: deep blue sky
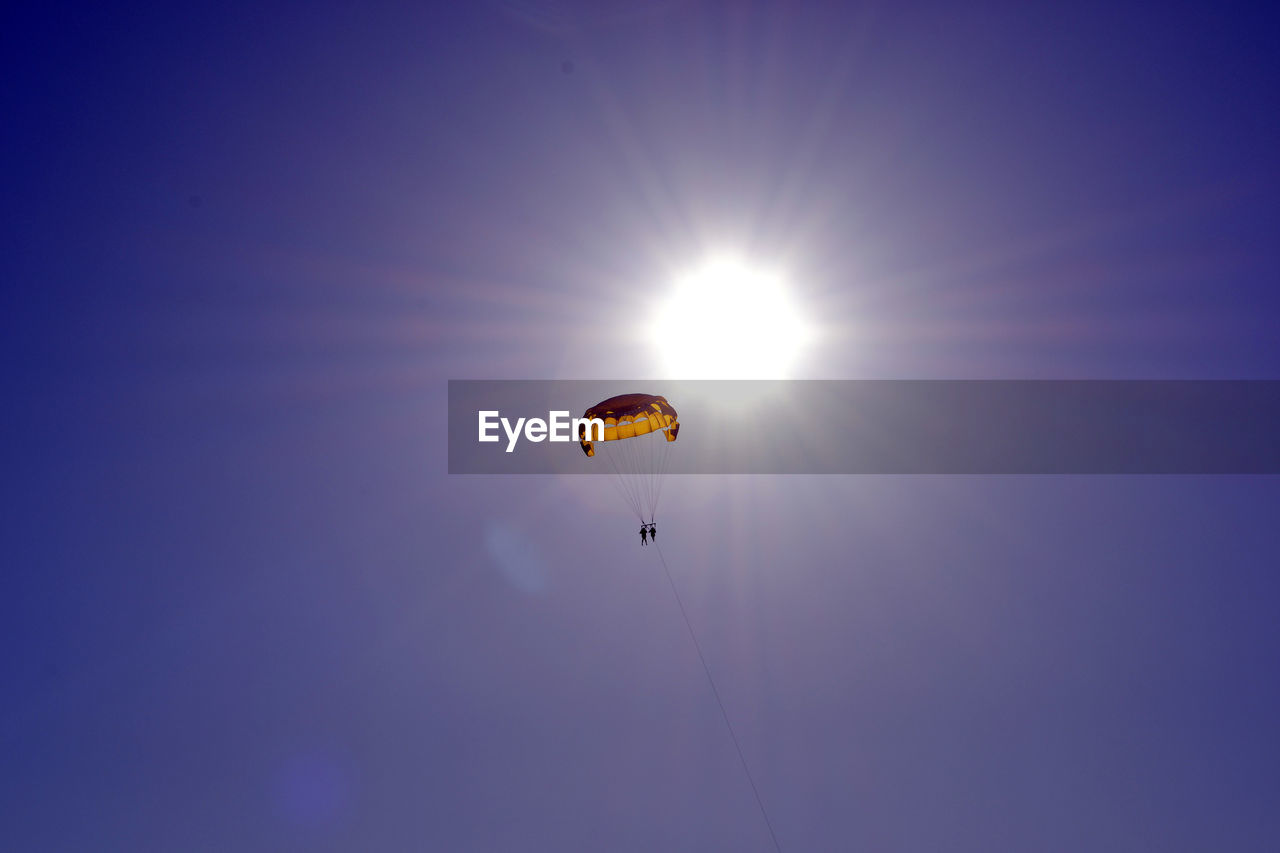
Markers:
point(245, 608)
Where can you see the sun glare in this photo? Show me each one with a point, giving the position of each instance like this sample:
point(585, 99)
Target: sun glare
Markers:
point(726, 320)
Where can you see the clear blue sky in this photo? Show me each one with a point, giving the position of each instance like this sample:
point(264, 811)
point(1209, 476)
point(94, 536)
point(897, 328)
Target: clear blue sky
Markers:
point(243, 607)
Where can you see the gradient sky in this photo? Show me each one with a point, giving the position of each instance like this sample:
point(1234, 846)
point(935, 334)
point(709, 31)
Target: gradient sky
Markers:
point(245, 608)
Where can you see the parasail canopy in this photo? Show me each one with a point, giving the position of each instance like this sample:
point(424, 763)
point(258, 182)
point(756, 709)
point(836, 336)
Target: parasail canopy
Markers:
point(638, 431)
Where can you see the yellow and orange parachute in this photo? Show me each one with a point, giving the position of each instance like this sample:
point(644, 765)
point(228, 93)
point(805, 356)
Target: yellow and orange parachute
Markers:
point(629, 416)
point(633, 424)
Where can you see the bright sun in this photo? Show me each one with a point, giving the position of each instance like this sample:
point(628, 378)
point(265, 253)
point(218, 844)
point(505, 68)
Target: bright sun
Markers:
point(726, 320)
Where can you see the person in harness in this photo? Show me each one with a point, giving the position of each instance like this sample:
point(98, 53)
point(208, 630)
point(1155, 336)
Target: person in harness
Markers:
point(644, 531)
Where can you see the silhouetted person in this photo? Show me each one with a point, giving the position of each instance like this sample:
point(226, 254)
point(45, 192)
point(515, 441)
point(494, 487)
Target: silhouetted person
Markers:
point(653, 531)
point(643, 532)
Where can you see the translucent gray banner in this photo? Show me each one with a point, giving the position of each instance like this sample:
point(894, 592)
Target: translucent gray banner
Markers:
point(893, 427)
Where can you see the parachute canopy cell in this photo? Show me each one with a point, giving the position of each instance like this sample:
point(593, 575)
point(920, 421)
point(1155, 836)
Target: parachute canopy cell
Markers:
point(629, 416)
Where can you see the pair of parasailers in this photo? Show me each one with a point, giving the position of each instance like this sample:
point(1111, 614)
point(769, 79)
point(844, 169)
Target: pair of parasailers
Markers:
point(650, 531)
